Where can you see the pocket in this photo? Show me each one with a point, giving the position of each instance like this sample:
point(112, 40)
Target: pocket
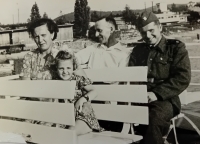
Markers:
point(162, 67)
point(162, 60)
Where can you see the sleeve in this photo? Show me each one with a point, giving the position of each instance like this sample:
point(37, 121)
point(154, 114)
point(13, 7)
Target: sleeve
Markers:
point(180, 75)
point(83, 81)
point(26, 66)
point(125, 60)
point(132, 56)
point(83, 55)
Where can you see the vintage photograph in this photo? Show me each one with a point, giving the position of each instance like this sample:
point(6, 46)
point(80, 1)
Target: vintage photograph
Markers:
point(99, 72)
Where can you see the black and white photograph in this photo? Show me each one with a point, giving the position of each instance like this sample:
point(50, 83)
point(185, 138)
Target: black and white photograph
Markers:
point(99, 72)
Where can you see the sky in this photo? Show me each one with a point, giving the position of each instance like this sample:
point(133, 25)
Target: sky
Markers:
point(9, 8)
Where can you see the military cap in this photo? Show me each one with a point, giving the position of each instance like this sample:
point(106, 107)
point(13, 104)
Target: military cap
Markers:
point(145, 18)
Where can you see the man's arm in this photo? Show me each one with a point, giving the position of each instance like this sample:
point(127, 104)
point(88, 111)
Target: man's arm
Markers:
point(83, 55)
point(180, 75)
point(125, 59)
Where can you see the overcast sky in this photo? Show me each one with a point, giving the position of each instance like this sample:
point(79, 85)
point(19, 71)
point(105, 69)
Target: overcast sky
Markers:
point(9, 8)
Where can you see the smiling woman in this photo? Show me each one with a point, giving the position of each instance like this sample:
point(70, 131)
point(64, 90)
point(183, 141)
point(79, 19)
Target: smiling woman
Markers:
point(37, 65)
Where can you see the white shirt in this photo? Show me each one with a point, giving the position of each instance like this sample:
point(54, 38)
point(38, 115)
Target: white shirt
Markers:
point(100, 56)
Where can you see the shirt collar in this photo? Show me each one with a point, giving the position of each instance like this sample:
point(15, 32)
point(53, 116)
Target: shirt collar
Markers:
point(116, 46)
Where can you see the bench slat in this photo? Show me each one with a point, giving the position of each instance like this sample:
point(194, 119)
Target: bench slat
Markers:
point(61, 113)
point(39, 134)
point(122, 93)
point(39, 88)
point(108, 137)
point(133, 74)
point(121, 113)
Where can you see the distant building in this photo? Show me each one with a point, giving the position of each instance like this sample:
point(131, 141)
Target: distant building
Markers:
point(1, 29)
point(121, 23)
point(167, 16)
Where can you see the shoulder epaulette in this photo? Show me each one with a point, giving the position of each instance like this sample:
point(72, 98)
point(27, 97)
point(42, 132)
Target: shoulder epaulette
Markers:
point(173, 41)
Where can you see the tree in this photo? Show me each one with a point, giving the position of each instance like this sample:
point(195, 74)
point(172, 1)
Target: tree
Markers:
point(45, 15)
point(82, 17)
point(77, 17)
point(35, 14)
point(61, 20)
point(194, 16)
point(94, 16)
point(111, 15)
point(129, 16)
point(174, 8)
point(197, 5)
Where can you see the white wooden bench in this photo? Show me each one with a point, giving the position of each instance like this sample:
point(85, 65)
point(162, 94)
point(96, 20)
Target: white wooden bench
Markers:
point(63, 113)
point(128, 74)
point(60, 113)
point(120, 93)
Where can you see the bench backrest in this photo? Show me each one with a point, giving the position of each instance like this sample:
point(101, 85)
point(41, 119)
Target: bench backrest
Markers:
point(120, 93)
point(58, 113)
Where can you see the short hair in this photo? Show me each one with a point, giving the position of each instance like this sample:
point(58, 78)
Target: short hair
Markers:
point(51, 25)
point(66, 55)
point(111, 21)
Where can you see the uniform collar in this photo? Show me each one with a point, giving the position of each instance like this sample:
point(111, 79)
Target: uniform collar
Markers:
point(161, 46)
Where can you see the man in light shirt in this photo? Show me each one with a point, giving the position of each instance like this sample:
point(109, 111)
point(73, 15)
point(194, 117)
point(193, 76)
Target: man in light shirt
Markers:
point(108, 52)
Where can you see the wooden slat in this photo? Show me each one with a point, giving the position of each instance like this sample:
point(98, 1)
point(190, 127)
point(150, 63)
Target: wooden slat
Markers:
point(192, 97)
point(108, 137)
point(118, 74)
point(6, 65)
point(61, 113)
point(121, 113)
point(183, 97)
point(12, 77)
point(39, 88)
point(39, 134)
point(122, 93)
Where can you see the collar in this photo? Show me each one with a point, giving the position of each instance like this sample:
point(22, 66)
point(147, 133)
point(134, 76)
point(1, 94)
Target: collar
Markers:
point(161, 46)
point(116, 46)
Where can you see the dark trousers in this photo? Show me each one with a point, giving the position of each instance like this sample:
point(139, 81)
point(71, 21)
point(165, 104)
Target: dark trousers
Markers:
point(160, 114)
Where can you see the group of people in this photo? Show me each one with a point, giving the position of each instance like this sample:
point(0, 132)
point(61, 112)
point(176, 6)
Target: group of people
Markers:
point(169, 70)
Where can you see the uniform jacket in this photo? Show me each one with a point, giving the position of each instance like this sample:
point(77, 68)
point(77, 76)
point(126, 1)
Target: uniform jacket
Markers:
point(169, 70)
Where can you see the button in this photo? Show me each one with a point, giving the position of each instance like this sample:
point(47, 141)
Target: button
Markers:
point(161, 58)
point(150, 59)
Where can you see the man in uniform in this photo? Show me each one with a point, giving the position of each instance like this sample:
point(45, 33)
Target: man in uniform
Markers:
point(169, 74)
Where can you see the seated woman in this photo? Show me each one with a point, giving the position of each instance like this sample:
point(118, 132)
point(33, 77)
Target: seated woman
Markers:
point(85, 118)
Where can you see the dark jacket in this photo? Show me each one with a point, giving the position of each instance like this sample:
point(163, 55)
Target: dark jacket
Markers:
point(169, 69)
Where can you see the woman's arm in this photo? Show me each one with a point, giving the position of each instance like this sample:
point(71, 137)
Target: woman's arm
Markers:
point(91, 92)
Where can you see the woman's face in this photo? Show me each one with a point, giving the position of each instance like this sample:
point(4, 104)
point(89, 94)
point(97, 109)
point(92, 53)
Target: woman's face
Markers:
point(65, 69)
point(43, 38)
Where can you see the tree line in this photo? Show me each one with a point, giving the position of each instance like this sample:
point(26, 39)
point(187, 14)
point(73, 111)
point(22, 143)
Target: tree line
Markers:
point(83, 15)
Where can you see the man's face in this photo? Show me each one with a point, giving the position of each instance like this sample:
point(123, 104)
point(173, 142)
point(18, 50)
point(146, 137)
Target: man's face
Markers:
point(103, 31)
point(65, 69)
point(42, 37)
point(151, 33)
